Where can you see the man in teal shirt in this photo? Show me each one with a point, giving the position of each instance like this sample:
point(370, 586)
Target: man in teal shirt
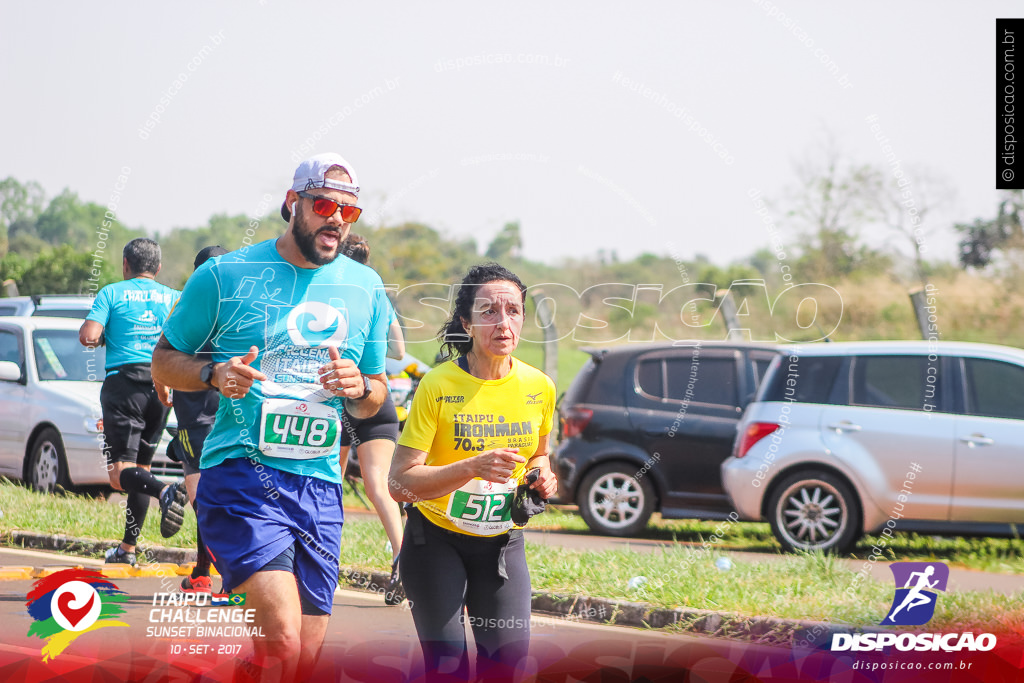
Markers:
point(298, 332)
point(128, 316)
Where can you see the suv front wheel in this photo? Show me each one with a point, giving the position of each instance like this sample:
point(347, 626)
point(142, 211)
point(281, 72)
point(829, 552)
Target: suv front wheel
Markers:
point(614, 502)
point(814, 510)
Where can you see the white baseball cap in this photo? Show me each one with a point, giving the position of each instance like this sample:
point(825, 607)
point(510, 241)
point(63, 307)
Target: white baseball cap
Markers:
point(312, 174)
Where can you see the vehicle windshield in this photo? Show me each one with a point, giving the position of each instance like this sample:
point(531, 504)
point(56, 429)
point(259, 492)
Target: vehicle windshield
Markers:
point(60, 356)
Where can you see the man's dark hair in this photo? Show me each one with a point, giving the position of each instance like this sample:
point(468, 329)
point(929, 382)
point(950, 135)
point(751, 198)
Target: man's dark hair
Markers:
point(452, 335)
point(143, 256)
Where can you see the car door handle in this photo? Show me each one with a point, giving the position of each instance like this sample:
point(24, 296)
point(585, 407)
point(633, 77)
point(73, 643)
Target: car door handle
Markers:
point(845, 426)
point(977, 440)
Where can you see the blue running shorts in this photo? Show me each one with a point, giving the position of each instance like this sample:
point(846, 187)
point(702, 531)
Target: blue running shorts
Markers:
point(250, 513)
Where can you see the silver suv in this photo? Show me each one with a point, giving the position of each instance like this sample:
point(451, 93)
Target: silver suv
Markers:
point(850, 438)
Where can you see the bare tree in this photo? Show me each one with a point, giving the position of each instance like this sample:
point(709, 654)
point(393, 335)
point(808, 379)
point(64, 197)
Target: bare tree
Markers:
point(908, 205)
point(832, 201)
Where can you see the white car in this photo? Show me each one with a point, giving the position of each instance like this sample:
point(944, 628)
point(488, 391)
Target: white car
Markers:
point(50, 418)
point(853, 438)
point(52, 305)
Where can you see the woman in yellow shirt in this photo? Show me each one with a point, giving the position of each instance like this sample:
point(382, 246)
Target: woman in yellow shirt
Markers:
point(478, 424)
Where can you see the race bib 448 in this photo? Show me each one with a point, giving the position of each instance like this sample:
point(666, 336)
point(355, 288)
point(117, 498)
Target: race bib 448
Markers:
point(298, 429)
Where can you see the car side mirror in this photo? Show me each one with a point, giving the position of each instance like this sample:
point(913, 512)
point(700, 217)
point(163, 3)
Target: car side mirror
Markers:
point(9, 371)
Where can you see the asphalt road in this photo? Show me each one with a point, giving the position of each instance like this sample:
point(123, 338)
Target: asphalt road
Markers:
point(366, 641)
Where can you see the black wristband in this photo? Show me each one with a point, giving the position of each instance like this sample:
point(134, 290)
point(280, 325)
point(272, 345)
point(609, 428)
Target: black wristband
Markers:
point(367, 389)
point(206, 375)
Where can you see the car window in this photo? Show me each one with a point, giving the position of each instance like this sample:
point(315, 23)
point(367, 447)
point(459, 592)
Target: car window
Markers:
point(8, 310)
point(580, 386)
point(806, 379)
point(9, 347)
point(60, 356)
point(901, 382)
point(761, 366)
point(995, 389)
point(650, 377)
point(701, 380)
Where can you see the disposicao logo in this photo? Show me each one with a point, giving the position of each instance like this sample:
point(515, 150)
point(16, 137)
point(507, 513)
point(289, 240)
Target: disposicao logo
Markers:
point(70, 603)
point(914, 605)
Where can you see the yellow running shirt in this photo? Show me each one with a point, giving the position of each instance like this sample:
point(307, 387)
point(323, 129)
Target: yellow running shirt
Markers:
point(455, 416)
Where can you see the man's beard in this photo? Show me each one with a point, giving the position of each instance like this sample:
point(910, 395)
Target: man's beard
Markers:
point(305, 239)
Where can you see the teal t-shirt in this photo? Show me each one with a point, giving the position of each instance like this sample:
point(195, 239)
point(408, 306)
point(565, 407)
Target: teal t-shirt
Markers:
point(132, 313)
point(253, 297)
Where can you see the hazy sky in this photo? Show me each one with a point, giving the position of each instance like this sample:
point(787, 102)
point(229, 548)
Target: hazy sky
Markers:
point(573, 117)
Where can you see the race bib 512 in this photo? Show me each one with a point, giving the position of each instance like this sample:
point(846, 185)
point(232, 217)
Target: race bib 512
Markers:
point(482, 507)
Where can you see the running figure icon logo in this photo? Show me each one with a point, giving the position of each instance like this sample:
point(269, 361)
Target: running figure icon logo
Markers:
point(914, 603)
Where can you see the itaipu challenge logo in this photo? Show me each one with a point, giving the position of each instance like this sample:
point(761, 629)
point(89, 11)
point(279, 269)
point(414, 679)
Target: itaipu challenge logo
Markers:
point(71, 603)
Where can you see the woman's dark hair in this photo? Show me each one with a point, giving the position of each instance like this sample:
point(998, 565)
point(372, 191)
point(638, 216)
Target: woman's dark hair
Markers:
point(455, 341)
point(356, 248)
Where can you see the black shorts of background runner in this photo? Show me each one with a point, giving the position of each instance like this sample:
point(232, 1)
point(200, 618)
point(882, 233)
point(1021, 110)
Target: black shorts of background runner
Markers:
point(187, 447)
point(442, 571)
point(383, 425)
point(133, 416)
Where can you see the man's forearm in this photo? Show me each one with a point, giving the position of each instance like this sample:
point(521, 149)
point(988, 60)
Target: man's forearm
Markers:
point(177, 369)
point(368, 407)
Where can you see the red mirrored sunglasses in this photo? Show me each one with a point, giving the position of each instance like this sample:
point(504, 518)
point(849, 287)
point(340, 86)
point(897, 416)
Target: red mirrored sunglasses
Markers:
point(322, 206)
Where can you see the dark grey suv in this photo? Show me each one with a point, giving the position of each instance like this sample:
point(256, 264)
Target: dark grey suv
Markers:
point(645, 428)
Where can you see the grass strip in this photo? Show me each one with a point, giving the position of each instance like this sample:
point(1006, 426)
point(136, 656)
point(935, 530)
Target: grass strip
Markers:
point(800, 587)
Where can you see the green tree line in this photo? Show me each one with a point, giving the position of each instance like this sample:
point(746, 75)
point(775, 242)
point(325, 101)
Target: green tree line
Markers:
point(68, 245)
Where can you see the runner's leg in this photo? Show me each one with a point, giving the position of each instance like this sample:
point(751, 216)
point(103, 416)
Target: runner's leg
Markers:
point(124, 405)
point(135, 517)
point(138, 479)
point(192, 485)
point(311, 635)
point(278, 616)
point(499, 608)
point(188, 447)
point(435, 582)
point(375, 463)
point(202, 567)
point(147, 427)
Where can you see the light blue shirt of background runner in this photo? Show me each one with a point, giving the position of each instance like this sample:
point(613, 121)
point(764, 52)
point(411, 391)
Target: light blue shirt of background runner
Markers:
point(253, 297)
point(132, 313)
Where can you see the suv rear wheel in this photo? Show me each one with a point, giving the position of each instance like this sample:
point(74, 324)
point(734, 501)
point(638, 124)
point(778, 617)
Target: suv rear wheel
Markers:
point(614, 502)
point(814, 510)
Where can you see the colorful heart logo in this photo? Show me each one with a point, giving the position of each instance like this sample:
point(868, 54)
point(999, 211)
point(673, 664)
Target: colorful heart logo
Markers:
point(72, 614)
point(76, 606)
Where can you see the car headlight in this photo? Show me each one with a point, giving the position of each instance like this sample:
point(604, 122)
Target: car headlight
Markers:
point(94, 425)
